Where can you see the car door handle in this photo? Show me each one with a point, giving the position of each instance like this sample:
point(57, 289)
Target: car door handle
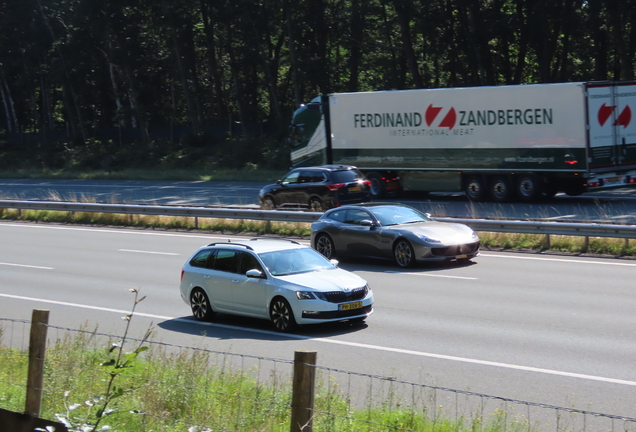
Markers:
point(235, 281)
point(207, 276)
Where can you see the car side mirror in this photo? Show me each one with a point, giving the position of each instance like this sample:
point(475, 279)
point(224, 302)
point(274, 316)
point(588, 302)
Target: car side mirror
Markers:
point(334, 262)
point(255, 273)
point(428, 215)
point(367, 222)
point(279, 182)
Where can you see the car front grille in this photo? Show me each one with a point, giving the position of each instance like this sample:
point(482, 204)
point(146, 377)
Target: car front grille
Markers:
point(340, 314)
point(342, 297)
point(451, 251)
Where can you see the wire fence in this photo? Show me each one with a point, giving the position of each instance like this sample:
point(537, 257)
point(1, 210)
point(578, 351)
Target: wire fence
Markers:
point(183, 388)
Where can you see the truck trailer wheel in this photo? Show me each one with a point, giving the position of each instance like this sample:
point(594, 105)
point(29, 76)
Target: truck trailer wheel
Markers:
point(548, 191)
point(475, 188)
point(574, 189)
point(377, 185)
point(500, 189)
point(528, 188)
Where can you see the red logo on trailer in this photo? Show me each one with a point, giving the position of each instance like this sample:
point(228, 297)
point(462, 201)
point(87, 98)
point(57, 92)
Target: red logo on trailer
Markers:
point(448, 121)
point(624, 118)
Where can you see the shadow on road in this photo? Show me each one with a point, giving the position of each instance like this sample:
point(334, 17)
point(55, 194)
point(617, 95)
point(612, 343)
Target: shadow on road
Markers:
point(227, 327)
point(353, 264)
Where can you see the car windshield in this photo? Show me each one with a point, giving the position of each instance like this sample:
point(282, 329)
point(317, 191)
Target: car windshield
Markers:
point(394, 215)
point(293, 261)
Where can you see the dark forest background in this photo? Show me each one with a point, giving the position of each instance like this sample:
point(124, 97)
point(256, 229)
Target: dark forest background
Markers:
point(112, 84)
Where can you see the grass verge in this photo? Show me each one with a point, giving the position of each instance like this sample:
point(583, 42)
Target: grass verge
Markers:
point(194, 391)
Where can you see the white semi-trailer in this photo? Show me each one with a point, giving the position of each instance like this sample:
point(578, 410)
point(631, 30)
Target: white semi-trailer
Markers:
point(502, 143)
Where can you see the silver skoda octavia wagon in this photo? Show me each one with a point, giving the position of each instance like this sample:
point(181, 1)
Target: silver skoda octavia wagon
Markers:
point(279, 280)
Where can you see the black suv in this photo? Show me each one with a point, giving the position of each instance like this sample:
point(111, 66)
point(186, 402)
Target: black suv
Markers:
point(316, 188)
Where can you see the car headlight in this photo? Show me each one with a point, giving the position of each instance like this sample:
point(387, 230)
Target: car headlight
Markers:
point(306, 295)
point(310, 295)
point(427, 239)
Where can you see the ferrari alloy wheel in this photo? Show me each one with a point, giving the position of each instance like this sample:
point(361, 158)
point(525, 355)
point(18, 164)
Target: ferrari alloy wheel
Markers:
point(403, 253)
point(324, 245)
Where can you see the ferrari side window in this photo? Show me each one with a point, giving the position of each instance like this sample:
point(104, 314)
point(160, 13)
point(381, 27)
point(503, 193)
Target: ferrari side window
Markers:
point(338, 215)
point(357, 216)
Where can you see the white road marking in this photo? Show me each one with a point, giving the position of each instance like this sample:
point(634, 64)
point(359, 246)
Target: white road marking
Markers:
point(147, 252)
point(154, 233)
point(431, 275)
point(339, 342)
point(573, 261)
point(111, 231)
point(27, 266)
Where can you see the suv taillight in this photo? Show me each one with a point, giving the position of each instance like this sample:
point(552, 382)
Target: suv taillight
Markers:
point(336, 186)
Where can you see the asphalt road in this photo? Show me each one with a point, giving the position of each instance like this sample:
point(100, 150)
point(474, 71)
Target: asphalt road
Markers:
point(540, 328)
point(616, 206)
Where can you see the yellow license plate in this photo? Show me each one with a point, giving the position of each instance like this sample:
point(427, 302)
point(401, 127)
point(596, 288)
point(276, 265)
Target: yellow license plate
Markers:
point(349, 306)
point(355, 189)
point(461, 256)
point(614, 179)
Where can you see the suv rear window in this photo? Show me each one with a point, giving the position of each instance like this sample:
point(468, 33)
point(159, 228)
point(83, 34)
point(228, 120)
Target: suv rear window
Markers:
point(311, 177)
point(347, 176)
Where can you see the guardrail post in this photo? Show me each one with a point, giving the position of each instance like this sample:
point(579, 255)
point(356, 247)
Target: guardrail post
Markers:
point(547, 241)
point(586, 244)
point(196, 222)
point(304, 379)
point(37, 347)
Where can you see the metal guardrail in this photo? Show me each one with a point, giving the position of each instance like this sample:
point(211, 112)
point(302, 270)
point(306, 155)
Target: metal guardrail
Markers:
point(154, 210)
point(488, 225)
point(548, 228)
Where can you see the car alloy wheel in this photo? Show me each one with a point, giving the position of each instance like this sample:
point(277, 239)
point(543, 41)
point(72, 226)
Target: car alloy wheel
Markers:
point(268, 204)
point(282, 315)
point(315, 205)
point(324, 245)
point(200, 305)
point(403, 253)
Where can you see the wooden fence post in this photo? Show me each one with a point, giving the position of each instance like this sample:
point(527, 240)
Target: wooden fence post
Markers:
point(37, 347)
point(304, 387)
